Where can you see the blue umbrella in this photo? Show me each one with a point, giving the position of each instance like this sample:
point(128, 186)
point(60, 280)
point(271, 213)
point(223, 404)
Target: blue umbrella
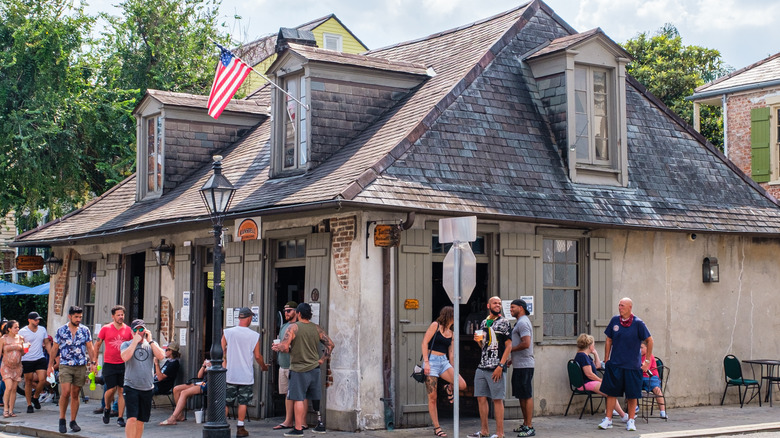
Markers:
point(7, 288)
point(41, 289)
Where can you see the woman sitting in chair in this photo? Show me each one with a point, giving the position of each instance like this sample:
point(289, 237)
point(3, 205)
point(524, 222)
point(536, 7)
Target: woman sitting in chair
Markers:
point(586, 347)
point(650, 379)
point(182, 392)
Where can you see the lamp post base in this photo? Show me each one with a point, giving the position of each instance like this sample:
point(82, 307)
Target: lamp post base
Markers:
point(216, 430)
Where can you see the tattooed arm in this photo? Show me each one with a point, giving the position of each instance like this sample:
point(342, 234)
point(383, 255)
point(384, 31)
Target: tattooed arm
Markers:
point(327, 342)
point(289, 335)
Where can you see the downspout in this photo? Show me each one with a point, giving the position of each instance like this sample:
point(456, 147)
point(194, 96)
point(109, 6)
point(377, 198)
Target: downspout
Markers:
point(724, 113)
point(387, 361)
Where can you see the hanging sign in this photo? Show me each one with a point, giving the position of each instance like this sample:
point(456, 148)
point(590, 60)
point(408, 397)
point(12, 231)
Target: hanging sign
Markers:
point(29, 263)
point(387, 236)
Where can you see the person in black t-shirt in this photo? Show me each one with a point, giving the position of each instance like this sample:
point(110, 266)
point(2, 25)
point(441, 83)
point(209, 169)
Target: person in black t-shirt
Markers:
point(165, 374)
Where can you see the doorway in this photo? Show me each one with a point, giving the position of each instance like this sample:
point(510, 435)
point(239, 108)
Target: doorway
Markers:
point(475, 310)
point(135, 287)
point(289, 283)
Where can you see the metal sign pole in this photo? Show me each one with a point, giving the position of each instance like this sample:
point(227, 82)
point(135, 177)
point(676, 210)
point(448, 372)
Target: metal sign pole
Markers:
point(456, 339)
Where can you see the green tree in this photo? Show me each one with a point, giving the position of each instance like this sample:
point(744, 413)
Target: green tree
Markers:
point(162, 44)
point(671, 71)
point(63, 138)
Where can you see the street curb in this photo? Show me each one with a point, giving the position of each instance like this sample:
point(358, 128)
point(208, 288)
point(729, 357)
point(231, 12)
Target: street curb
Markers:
point(716, 431)
point(29, 431)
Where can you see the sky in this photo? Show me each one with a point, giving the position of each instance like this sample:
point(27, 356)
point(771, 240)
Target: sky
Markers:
point(744, 31)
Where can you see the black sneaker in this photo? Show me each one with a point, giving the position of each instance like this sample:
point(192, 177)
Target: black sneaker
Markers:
point(30, 409)
point(63, 426)
point(106, 416)
point(73, 426)
point(36, 403)
point(529, 431)
point(120, 421)
point(294, 432)
point(320, 428)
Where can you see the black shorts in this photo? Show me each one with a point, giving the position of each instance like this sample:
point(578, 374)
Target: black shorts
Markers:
point(621, 381)
point(31, 366)
point(114, 375)
point(522, 383)
point(138, 404)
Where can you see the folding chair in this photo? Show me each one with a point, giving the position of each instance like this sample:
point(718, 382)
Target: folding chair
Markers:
point(576, 381)
point(733, 374)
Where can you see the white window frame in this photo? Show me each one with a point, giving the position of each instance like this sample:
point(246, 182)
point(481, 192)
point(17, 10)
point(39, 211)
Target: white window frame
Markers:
point(155, 189)
point(588, 132)
point(774, 139)
point(291, 156)
point(581, 311)
point(334, 36)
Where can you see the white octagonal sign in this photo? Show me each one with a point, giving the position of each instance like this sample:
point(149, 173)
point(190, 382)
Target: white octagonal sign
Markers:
point(468, 272)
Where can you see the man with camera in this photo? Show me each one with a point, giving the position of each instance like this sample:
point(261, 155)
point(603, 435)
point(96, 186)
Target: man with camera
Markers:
point(138, 356)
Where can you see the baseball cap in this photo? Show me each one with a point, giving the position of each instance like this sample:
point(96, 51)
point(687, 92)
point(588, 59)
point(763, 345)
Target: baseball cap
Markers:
point(291, 305)
point(173, 346)
point(137, 323)
point(34, 315)
point(521, 303)
point(244, 312)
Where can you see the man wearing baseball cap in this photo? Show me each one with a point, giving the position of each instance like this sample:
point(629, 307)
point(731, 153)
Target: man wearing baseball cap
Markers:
point(240, 344)
point(33, 362)
point(138, 355)
point(523, 365)
point(283, 358)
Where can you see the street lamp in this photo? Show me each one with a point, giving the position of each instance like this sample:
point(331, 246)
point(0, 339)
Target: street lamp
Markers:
point(217, 194)
point(53, 265)
point(163, 253)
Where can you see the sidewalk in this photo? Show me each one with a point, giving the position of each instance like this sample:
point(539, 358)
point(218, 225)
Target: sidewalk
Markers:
point(685, 422)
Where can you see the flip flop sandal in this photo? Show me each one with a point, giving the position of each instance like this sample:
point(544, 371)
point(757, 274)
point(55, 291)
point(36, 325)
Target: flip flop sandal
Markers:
point(450, 395)
point(439, 433)
point(167, 423)
point(281, 426)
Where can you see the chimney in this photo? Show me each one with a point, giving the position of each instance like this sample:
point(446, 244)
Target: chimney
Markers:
point(286, 36)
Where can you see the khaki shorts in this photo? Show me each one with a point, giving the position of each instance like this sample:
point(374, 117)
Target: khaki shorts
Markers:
point(76, 375)
point(284, 380)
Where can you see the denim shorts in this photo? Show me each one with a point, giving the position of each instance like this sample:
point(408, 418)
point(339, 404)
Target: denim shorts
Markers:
point(439, 364)
point(650, 383)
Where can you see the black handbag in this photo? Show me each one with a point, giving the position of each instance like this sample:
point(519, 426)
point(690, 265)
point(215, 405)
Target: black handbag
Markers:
point(419, 373)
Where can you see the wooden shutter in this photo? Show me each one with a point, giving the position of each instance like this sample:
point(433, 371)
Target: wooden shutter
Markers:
point(602, 305)
point(414, 283)
point(233, 285)
point(107, 287)
point(759, 144)
point(151, 292)
point(520, 273)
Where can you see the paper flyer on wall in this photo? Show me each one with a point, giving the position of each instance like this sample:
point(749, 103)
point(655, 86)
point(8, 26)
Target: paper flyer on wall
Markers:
point(185, 306)
point(315, 312)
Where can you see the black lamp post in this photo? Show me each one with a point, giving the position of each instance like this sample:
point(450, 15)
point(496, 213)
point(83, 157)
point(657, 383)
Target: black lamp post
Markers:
point(217, 194)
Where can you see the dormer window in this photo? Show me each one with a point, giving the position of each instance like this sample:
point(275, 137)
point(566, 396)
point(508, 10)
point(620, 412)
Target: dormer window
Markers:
point(592, 116)
point(581, 80)
point(151, 171)
point(332, 41)
point(295, 150)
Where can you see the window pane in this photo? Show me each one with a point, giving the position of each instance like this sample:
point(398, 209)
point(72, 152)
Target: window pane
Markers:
point(602, 149)
point(583, 150)
point(599, 82)
point(599, 105)
point(580, 102)
point(282, 251)
point(580, 79)
point(301, 245)
point(571, 251)
point(548, 251)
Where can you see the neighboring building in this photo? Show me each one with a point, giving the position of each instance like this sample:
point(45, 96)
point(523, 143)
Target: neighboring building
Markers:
point(750, 98)
point(329, 32)
point(586, 189)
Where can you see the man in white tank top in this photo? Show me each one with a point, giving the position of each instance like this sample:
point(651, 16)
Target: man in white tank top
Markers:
point(241, 344)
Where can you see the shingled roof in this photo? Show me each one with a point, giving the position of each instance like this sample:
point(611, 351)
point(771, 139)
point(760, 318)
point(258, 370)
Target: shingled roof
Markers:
point(759, 74)
point(471, 139)
point(348, 59)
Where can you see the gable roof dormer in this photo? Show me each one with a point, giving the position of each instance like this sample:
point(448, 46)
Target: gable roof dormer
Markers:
point(344, 93)
point(175, 136)
point(581, 80)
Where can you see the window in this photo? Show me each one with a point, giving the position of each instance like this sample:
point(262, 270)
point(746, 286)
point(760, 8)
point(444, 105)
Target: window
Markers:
point(564, 305)
point(88, 292)
point(294, 138)
point(592, 114)
point(332, 41)
point(154, 157)
point(291, 249)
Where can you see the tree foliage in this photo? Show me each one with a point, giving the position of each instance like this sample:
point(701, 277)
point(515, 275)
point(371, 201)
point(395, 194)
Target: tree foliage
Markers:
point(671, 71)
point(66, 127)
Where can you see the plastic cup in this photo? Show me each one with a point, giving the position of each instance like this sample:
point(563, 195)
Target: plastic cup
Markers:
point(479, 334)
point(199, 417)
point(276, 341)
point(26, 346)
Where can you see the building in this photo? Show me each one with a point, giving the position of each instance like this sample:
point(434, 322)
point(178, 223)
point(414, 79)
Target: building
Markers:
point(586, 189)
point(750, 98)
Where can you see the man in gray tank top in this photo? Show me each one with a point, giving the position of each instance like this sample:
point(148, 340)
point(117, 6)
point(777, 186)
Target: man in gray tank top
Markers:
point(302, 341)
point(138, 356)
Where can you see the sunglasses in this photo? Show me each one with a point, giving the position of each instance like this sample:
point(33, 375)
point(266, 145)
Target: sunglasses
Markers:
point(138, 330)
point(289, 310)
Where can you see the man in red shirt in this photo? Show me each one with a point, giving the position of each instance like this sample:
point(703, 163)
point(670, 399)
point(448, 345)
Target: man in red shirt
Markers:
point(114, 335)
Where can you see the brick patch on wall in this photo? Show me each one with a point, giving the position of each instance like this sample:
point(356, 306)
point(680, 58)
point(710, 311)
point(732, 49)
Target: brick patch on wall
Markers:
point(61, 285)
point(166, 319)
point(343, 233)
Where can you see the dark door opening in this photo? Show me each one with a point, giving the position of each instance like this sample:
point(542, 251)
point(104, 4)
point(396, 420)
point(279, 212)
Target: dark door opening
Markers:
point(135, 297)
point(289, 286)
point(206, 319)
point(469, 352)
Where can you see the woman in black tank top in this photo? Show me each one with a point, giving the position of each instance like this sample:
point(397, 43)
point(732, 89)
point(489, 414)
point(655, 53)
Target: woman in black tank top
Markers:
point(437, 352)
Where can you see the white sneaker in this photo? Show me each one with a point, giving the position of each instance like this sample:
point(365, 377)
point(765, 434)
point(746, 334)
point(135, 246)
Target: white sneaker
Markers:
point(605, 424)
point(630, 425)
point(664, 416)
point(624, 418)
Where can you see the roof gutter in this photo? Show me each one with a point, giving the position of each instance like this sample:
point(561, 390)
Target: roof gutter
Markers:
point(737, 89)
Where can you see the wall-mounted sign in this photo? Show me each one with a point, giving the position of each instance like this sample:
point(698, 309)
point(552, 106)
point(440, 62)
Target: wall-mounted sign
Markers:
point(246, 229)
point(411, 304)
point(29, 263)
point(387, 236)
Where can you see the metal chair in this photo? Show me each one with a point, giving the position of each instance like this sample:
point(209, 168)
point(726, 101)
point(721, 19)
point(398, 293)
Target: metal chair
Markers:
point(733, 375)
point(650, 399)
point(576, 381)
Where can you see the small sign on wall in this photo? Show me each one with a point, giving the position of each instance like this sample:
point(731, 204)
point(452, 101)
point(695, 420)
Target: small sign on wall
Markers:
point(411, 304)
point(247, 229)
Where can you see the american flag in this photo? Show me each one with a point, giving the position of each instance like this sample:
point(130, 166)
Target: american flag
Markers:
point(231, 73)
